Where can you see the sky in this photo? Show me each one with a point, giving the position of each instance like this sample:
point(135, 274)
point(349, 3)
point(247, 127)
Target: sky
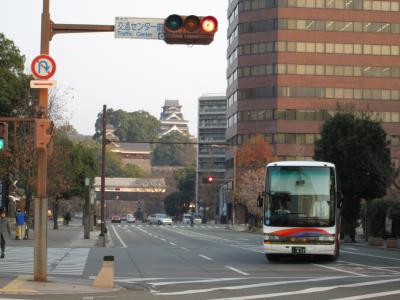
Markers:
point(127, 74)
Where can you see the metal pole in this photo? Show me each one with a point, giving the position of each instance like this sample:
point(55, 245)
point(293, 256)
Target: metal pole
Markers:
point(103, 175)
point(86, 223)
point(234, 186)
point(40, 250)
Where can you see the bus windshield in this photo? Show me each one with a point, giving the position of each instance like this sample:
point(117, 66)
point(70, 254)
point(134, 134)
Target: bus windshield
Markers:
point(300, 196)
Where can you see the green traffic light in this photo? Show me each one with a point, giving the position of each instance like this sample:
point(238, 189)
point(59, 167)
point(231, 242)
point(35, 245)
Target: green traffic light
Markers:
point(2, 144)
point(174, 22)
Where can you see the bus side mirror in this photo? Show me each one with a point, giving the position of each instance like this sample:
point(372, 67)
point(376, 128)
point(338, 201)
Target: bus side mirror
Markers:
point(339, 200)
point(260, 201)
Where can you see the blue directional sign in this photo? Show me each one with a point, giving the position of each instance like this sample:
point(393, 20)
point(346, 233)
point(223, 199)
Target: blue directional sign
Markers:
point(139, 28)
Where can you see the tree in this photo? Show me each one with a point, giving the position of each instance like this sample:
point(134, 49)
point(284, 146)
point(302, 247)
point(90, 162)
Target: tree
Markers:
point(178, 202)
point(14, 84)
point(174, 149)
point(251, 159)
point(138, 126)
point(358, 146)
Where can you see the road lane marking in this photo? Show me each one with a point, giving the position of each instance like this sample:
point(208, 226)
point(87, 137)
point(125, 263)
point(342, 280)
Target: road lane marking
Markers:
point(247, 286)
point(310, 290)
point(171, 243)
point(164, 240)
point(368, 296)
point(194, 281)
point(352, 249)
point(186, 249)
point(370, 267)
point(340, 270)
point(237, 270)
point(118, 237)
point(205, 257)
point(364, 254)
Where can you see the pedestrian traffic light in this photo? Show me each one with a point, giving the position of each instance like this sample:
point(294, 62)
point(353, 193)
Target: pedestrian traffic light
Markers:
point(190, 30)
point(43, 133)
point(208, 180)
point(3, 136)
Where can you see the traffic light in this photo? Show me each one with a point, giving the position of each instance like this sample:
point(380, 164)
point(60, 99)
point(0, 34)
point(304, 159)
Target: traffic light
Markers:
point(3, 136)
point(208, 180)
point(190, 30)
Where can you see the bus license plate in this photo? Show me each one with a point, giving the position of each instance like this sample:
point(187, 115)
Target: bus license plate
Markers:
point(299, 250)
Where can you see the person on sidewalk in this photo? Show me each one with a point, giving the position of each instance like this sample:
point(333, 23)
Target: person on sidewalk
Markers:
point(5, 231)
point(20, 218)
point(67, 218)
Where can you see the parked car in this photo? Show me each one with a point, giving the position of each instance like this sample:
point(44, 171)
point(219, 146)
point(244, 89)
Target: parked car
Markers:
point(130, 218)
point(115, 219)
point(186, 218)
point(123, 217)
point(197, 219)
point(160, 219)
point(78, 215)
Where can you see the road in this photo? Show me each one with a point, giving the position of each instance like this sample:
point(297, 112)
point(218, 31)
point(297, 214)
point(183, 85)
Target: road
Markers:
point(212, 262)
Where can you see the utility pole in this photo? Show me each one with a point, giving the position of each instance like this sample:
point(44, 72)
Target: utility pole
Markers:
point(103, 175)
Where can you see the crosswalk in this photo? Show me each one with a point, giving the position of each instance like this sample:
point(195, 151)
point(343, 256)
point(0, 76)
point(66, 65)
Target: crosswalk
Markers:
point(65, 261)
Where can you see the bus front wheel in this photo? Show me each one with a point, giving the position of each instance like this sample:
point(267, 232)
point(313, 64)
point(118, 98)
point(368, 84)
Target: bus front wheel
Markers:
point(272, 257)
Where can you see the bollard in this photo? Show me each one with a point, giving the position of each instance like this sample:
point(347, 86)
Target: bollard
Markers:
point(105, 278)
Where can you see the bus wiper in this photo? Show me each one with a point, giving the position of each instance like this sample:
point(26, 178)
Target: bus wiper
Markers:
point(316, 220)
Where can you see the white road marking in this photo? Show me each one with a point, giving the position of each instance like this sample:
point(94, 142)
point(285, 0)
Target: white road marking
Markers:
point(348, 248)
point(237, 270)
point(310, 290)
point(377, 256)
point(193, 281)
point(171, 243)
point(205, 257)
point(164, 240)
point(368, 296)
point(371, 267)
point(117, 235)
point(186, 249)
point(340, 270)
point(247, 286)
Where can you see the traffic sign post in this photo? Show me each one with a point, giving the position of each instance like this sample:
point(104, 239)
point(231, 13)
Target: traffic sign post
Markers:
point(42, 84)
point(139, 28)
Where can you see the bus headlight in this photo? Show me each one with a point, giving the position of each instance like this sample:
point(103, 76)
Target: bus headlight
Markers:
point(326, 238)
point(271, 237)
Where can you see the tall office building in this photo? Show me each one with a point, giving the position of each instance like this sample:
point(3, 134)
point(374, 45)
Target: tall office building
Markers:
point(211, 151)
point(292, 64)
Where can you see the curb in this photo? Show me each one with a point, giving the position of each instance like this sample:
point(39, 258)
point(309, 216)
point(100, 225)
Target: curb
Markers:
point(24, 285)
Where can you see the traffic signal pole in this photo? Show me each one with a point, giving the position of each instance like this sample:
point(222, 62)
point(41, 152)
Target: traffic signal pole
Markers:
point(41, 201)
point(48, 30)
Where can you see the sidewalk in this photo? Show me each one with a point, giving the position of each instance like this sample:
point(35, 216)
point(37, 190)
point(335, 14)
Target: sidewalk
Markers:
point(65, 236)
point(71, 236)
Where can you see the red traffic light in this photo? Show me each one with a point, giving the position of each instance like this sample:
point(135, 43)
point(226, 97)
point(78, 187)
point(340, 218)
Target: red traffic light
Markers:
point(209, 24)
point(190, 30)
point(208, 180)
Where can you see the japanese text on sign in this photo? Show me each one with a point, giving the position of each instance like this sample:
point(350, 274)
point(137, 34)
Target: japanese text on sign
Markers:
point(139, 28)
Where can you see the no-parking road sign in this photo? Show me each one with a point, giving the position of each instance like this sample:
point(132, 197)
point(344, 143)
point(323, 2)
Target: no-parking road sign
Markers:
point(43, 66)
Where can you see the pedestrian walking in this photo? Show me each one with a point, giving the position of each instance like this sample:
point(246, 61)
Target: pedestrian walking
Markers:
point(5, 231)
point(20, 219)
point(67, 218)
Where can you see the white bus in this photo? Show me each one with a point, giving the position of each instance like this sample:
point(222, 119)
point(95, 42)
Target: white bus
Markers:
point(301, 209)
